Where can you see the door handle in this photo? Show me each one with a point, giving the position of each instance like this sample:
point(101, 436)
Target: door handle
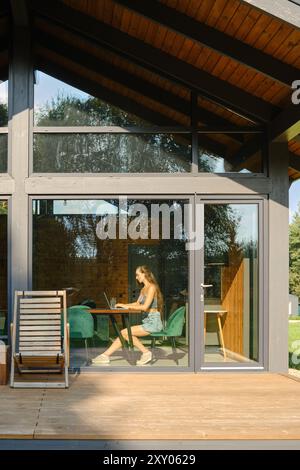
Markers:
point(206, 285)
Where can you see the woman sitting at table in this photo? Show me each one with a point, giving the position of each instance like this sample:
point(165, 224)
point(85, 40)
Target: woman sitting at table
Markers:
point(150, 302)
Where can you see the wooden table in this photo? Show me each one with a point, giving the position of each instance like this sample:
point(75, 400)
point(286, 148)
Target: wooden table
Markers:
point(219, 313)
point(124, 312)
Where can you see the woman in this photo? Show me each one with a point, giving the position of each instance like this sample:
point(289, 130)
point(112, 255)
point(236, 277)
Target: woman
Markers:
point(150, 302)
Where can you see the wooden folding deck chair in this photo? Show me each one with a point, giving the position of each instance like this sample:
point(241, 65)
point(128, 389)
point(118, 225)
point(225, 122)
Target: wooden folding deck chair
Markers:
point(37, 343)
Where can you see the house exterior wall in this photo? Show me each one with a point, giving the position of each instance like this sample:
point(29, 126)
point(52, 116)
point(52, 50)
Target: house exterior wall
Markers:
point(272, 189)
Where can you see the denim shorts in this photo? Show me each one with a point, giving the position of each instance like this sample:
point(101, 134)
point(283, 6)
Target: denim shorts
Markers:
point(151, 322)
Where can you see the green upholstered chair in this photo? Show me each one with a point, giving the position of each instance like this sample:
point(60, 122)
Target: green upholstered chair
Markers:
point(172, 330)
point(81, 324)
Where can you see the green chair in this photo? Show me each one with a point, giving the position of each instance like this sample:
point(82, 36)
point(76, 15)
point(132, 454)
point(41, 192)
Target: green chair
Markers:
point(172, 330)
point(81, 324)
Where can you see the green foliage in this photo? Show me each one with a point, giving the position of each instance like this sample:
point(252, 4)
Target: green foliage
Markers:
point(294, 345)
point(3, 207)
point(3, 114)
point(295, 254)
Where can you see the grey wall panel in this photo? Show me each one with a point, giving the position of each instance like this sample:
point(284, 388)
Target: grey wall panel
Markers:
point(278, 258)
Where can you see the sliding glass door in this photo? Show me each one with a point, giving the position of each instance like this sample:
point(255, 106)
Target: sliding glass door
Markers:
point(229, 273)
point(94, 246)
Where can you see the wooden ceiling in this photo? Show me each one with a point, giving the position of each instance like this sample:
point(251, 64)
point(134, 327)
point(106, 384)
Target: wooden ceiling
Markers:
point(240, 60)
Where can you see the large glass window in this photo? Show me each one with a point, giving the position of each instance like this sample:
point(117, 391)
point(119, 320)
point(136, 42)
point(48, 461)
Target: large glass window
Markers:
point(3, 268)
point(137, 134)
point(58, 104)
point(105, 153)
point(92, 247)
point(231, 277)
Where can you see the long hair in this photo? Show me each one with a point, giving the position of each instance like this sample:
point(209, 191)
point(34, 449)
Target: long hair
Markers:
point(152, 279)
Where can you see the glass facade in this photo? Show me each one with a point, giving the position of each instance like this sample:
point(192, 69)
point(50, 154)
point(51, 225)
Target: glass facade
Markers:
point(231, 277)
point(138, 149)
point(70, 251)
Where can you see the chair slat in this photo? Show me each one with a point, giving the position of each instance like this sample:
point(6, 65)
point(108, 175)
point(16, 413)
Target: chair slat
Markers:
point(39, 328)
point(45, 341)
point(38, 300)
point(53, 316)
point(56, 293)
point(40, 306)
point(40, 322)
point(39, 355)
point(38, 333)
point(39, 348)
point(42, 310)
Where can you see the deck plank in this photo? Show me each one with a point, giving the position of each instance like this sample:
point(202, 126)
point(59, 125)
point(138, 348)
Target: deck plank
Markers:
point(150, 406)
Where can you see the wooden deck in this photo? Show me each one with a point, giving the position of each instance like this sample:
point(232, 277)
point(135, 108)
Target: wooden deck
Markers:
point(156, 406)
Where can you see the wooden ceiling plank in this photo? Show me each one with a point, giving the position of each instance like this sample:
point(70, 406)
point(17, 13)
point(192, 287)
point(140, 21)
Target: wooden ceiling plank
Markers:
point(253, 35)
point(267, 34)
point(279, 39)
point(216, 40)
point(247, 25)
point(237, 20)
point(215, 12)
point(228, 95)
point(226, 15)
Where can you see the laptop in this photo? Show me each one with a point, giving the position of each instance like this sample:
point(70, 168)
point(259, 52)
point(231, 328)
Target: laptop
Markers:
point(109, 304)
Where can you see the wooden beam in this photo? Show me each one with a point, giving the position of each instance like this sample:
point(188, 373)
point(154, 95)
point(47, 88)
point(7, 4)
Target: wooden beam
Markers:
point(284, 10)
point(130, 80)
point(19, 11)
point(286, 124)
point(214, 39)
point(222, 92)
point(294, 161)
point(283, 128)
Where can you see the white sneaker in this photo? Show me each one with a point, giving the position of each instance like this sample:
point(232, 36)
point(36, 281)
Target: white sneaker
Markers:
point(145, 358)
point(102, 359)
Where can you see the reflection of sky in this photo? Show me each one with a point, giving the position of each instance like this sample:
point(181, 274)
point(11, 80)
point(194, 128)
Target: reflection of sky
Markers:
point(294, 196)
point(247, 229)
point(4, 92)
point(217, 164)
point(47, 87)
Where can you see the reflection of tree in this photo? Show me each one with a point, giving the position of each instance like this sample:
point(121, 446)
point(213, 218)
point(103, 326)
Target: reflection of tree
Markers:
point(221, 226)
point(105, 152)
point(3, 207)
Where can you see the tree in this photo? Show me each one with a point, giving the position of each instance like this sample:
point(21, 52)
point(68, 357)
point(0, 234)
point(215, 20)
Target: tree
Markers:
point(295, 254)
